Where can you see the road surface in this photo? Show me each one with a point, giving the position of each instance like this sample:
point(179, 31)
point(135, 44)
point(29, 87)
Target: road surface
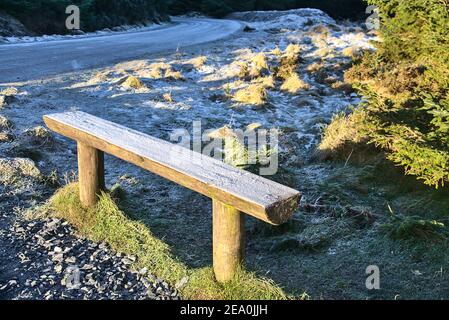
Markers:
point(29, 61)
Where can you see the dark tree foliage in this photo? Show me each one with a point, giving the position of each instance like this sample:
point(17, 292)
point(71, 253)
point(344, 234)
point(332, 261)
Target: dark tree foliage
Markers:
point(48, 16)
point(348, 9)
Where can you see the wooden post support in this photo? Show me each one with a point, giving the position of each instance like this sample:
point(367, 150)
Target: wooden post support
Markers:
point(90, 173)
point(228, 240)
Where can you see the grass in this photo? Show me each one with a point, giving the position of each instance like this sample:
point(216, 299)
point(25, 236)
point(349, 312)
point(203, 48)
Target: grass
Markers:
point(198, 62)
point(293, 50)
point(10, 91)
point(106, 222)
point(352, 52)
point(414, 228)
point(294, 84)
point(259, 65)
point(254, 94)
point(163, 70)
point(5, 123)
point(342, 135)
point(268, 82)
point(167, 97)
point(170, 74)
point(276, 51)
point(133, 83)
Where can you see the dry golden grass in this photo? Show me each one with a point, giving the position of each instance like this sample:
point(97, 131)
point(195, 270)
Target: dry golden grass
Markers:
point(5, 123)
point(256, 67)
point(314, 67)
point(289, 62)
point(342, 134)
point(10, 91)
point(133, 83)
point(293, 50)
point(324, 52)
point(99, 77)
point(173, 75)
point(294, 84)
point(268, 82)
point(352, 52)
point(259, 61)
point(198, 62)
point(276, 51)
point(254, 94)
point(167, 97)
point(6, 137)
point(158, 69)
point(342, 86)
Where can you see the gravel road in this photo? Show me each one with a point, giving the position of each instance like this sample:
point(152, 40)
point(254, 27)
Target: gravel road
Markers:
point(36, 60)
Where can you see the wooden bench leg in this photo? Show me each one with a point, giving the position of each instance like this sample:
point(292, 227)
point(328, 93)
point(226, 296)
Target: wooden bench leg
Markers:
point(228, 240)
point(90, 173)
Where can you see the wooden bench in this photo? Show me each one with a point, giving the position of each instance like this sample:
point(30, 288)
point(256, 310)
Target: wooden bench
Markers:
point(233, 191)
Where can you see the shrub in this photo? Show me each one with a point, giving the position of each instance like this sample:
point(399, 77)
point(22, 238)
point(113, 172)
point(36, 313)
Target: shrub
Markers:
point(405, 85)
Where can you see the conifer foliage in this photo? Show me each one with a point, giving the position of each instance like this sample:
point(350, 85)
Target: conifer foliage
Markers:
point(406, 87)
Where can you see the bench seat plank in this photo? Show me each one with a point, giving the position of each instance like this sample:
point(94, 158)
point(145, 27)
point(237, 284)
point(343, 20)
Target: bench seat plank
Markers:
point(247, 192)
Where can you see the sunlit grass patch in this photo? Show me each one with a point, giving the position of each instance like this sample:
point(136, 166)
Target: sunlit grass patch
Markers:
point(10, 91)
point(294, 84)
point(276, 51)
point(293, 50)
point(256, 67)
point(107, 223)
point(157, 69)
point(267, 82)
point(254, 94)
point(99, 77)
point(132, 83)
point(352, 52)
point(288, 62)
point(161, 70)
point(170, 74)
point(198, 62)
point(5, 123)
point(167, 97)
point(314, 67)
point(343, 133)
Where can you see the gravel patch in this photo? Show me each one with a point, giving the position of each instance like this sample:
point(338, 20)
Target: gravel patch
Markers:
point(52, 262)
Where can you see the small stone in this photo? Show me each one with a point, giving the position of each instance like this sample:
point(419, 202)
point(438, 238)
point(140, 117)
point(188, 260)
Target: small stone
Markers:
point(58, 257)
point(70, 260)
point(58, 268)
point(57, 249)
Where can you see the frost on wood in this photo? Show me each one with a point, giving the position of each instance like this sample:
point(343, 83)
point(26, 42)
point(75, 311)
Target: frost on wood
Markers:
point(265, 199)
